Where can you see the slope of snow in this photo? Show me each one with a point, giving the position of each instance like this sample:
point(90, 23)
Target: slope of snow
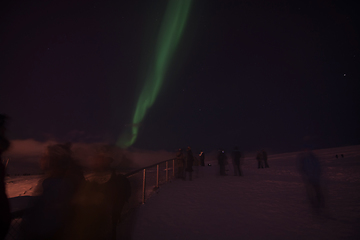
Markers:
point(263, 204)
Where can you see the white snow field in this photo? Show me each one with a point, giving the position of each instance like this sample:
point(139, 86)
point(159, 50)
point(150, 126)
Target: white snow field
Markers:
point(263, 204)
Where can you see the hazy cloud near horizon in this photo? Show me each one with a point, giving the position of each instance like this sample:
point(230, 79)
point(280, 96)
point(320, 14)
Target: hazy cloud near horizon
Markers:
point(27, 148)
point(24, 155)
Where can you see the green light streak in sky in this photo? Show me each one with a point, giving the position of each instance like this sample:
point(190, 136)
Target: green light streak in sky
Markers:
point(170, 32)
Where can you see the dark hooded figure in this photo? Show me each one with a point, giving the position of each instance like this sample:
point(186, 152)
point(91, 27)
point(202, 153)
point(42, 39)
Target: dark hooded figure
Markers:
point(189, 162)
point(100, 201)
point(265, 158)
point(5, 217)
point(222, 161)
point(236, 161)
point(310, 169)
point(259, 158)
point(202, 158)
point(52, 210)
point(180, 163)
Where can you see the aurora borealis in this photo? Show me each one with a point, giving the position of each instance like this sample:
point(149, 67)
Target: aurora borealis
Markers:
point(169, 36)
point(160, 75)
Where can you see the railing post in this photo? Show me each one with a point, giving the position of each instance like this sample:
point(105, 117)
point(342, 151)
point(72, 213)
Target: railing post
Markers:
point(173, 168)
point(167, 172)
point(144, 183)
point(157, 176)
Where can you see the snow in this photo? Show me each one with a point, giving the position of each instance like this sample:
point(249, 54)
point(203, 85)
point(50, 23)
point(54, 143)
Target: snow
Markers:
point(263, 204)
point(21, 185)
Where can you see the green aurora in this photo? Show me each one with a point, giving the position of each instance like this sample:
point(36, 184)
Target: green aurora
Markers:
point(170, 33)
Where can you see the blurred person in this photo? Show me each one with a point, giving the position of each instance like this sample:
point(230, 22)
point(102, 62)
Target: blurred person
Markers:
point(202, 158)
point(100, 201)
point(222, 159)
point(196, 165)
point(265, 158)
point(309, 167)
point(259, 158)
point(236, 161)
point(5, 217)
point(180, 163)
point(189, 163)
point(52, 210)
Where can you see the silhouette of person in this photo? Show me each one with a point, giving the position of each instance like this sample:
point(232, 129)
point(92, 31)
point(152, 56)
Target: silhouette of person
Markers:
point(342, 155)
point(5, 217)
point(222, 158)
point(52, 209)
point(336, 156)
point(236, 161)
point(180, 163)
point(265, 158)
point(189, 162)
point(202, 158)
point(100, 201)
point(259, 158)
point(310, 169)
point(196, 165)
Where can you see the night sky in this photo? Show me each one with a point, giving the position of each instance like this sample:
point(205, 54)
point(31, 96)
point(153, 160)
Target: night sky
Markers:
point(256, 74)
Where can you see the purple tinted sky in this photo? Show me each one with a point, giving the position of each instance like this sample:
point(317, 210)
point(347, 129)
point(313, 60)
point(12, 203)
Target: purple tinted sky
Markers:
point(249, 73)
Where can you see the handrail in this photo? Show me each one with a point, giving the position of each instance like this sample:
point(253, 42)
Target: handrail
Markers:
point(157, 175)
point(150, 166)
point(20, 213)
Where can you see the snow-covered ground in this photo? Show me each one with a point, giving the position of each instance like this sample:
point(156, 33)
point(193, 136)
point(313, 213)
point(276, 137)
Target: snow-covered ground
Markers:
point(263, 204)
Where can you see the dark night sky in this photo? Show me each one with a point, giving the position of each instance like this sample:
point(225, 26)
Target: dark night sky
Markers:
point(257, 74)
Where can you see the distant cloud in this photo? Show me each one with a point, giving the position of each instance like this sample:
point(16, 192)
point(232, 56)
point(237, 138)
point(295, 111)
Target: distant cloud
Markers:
point(27, 147)
point(82, 136)
point(24, 155)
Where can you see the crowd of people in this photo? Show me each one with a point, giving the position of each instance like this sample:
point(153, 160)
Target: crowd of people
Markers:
point(186, 161)
point(237, 158)
point(307, 163)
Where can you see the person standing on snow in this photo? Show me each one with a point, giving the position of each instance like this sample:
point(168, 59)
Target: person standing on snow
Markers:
point(309, 167)
point(222, 161)
point(101, 200)
point(180, 163)
point(259, 158)
point(189, 163)
point(202, 158)
point(236, 161)
point(52, 209)
point(264, 154)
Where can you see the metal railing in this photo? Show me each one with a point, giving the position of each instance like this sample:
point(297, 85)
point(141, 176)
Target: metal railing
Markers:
point(158, 175)
point(139, 192)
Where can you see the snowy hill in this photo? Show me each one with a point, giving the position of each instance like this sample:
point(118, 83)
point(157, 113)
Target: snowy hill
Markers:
point(263, 204)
